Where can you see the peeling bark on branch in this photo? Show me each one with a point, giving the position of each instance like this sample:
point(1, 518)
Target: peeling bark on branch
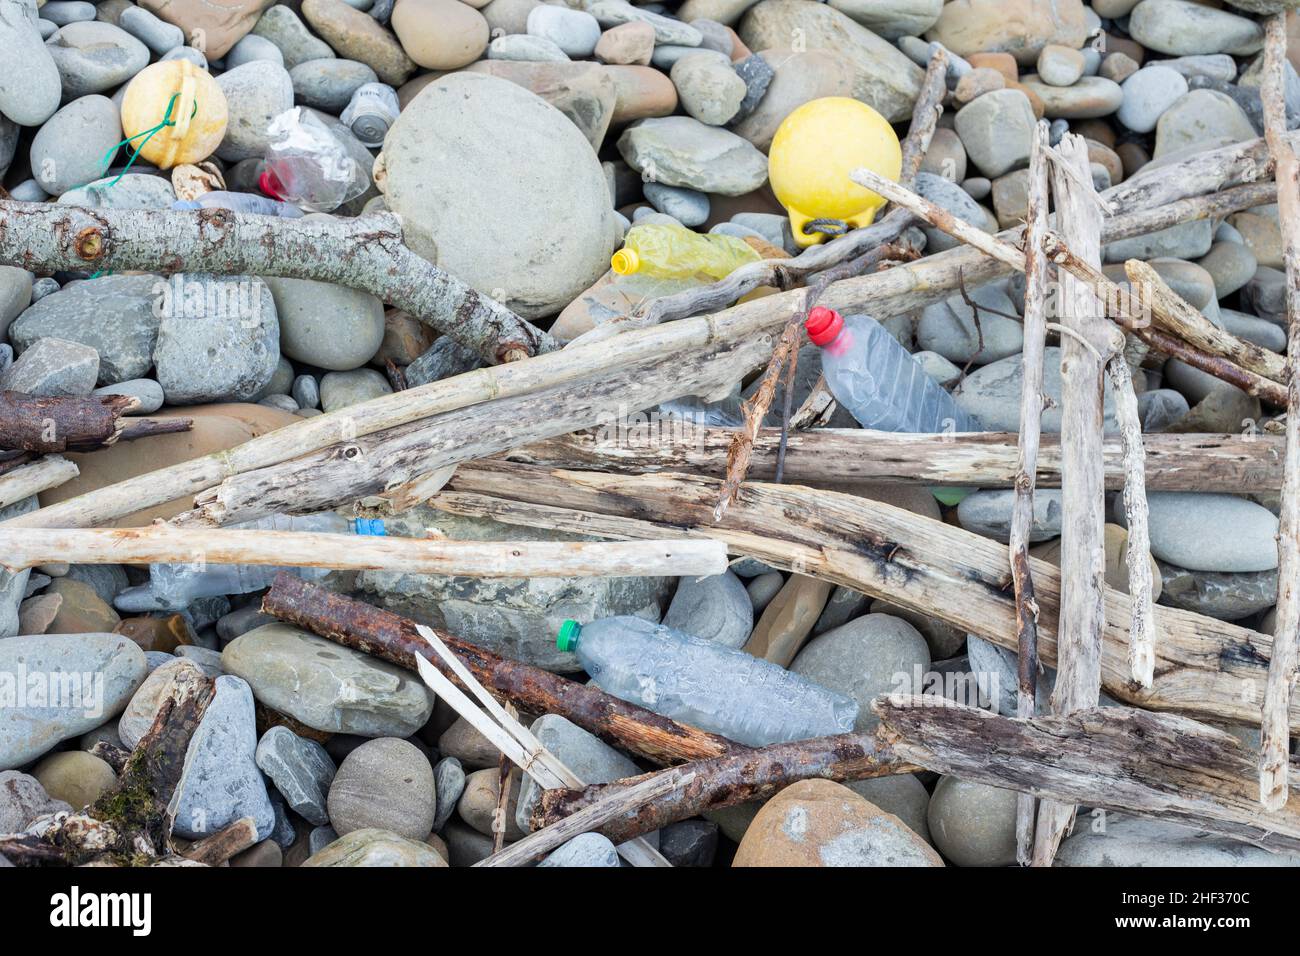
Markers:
point(367, 254)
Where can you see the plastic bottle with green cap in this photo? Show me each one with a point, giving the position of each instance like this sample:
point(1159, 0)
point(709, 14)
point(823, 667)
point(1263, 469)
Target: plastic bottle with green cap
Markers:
point(175, 586)
point(705, 684)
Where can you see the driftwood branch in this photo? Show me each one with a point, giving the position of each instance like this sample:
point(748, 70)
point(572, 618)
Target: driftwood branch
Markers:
point(1142, 658)
point(35, 477)
point(61, 423)
point(1174, 462)
point(928, 566)
point(1031, 415)
point(395, 639)
point(723, 782)
point(222, 845)
point(1275, 743)
point(1183, 771)
point(366, 253)
point(162, 543)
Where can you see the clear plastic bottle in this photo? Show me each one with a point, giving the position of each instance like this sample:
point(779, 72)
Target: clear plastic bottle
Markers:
point(172, 587)
point(242, 203)
point(675, 252)
point(878, 381)
point(698, 682)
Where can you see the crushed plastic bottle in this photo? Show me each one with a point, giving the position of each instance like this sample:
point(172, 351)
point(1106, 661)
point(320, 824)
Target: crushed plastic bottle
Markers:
point(878, 381)
point(669, 251)
point(307, 163)
point(173, 587)
point(698, 682)
point(241, 203)
point(881, 385)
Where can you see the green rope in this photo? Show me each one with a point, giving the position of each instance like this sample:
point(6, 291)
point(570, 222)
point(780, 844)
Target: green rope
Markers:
point(148, 134)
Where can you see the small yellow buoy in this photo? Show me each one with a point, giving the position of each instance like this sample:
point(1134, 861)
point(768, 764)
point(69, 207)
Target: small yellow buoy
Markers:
point(196, 122)
point(812, 154)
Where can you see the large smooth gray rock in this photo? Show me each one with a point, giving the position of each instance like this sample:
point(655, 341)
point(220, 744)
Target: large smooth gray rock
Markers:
point(1147, 94)
point(221, 782)
point(22, 800)
point(717, 608)
point(996, 130)
point(973, 824)
point(218, 341)
point(328, 687)
point(297, 44)
point(988, 512)
point(1209, 532)
point(325, 325)
point(92, 57)
point(948, 327)
point(467, 129)
point(114, 315)
point(29, 81)
point(57, 686)
point(992, 394)
point(682, 151)
point(1229, 597)
point(883, 77)
point(69, 148)
point(256, 93)
point(870, 655)
point(385, 784)
point(1181, 28)
point(130, 191)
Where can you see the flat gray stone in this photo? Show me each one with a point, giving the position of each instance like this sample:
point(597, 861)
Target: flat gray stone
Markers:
point(682, 151)
point(996, 130)
point(329, 84)
point(326, 325)
point(22, 800)
point(131, 191)
point(53, 367)
point(30, 87)
point(297, 44)
point(328, 687)
point(1181, 28)
point(92, 57)
point(870, 655)
point(1147, 94)
point(584, 850)
point(1116, 840)
point(69, 149)
point(218, 341)
point(300, 769)
point(1210, 532)
point(113, 314)
point(384, 784)
point(988, 513)
point(992, 394)
point(148, 392)
point(256, 93)
point(57, 686)
point(221, 782)
point(1226, 596)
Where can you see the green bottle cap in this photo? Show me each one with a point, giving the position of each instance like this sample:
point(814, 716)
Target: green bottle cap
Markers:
point(567, 639)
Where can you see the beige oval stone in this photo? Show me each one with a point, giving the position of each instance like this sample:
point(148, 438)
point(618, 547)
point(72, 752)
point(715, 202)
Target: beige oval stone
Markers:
point(1019, 27)
point(440, 34)
point(75, 777)
point(376, 848)
point(817, 823)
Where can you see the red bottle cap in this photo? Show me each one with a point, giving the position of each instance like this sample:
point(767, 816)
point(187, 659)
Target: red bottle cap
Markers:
point(270, 184)
point(823, 325)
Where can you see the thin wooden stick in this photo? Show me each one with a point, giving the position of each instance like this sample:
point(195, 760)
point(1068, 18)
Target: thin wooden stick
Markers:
point(1275, 741)
point(1171, 312)
point(1142, 627)
point(222, 845)
point(1031, 413)
point(521, 746)
point(33, 478)
point(1083, 498)
point(162, 543)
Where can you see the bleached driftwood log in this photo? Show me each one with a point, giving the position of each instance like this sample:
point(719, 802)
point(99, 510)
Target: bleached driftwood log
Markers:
point(1190, 462)
point(35, 477)
point(366, 253)
point(1142, 658)
point(163, 543)
point(1275, 740)
point(1202, 664)
point(1031, 420)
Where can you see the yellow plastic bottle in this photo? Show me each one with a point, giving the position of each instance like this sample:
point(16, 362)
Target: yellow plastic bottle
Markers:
point(199, 113)
point(666, 251)
point(812, 154)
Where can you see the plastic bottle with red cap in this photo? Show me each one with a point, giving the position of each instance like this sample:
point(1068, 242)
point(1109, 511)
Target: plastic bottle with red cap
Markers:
point(877, 380)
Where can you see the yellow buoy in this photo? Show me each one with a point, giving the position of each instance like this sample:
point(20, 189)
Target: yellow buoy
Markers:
point(812, 154)
point(195, 124)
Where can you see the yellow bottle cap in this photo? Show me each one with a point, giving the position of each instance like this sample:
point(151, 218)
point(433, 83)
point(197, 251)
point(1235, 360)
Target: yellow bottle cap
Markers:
point(625, 262)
